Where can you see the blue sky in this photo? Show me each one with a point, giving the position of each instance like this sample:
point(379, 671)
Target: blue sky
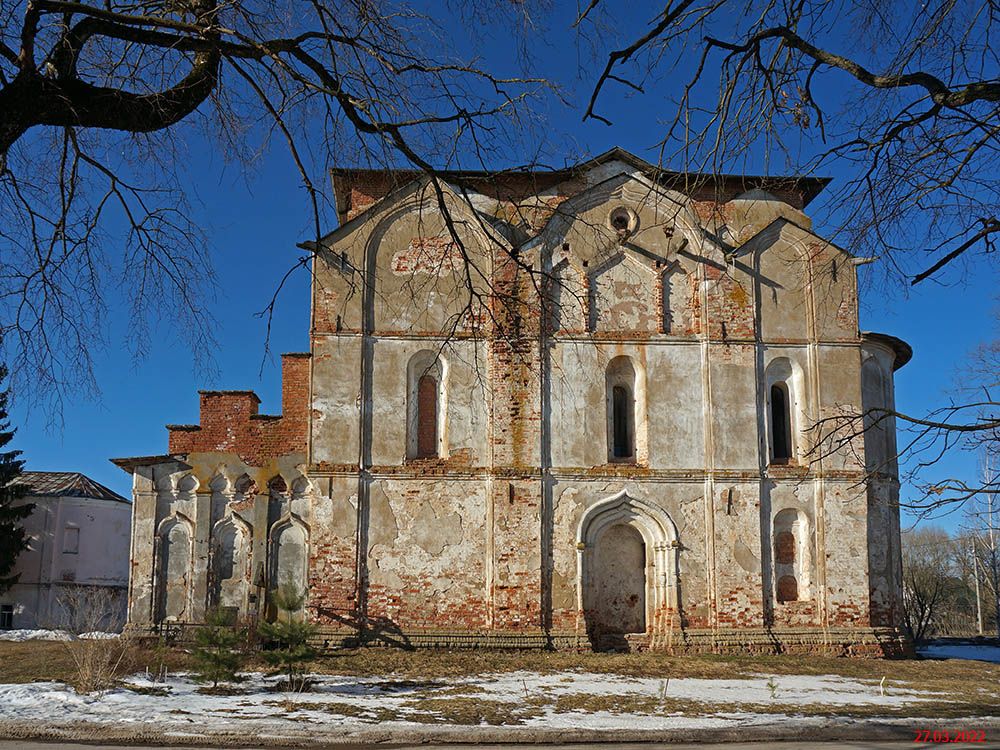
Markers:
point(254, 222)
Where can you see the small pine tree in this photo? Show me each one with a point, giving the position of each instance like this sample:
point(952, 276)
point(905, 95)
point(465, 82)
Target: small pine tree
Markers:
point(288, 637)
point(217, 652)
point(13, 540)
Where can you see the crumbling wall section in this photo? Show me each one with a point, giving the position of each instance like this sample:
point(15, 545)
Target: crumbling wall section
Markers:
point(427, 555)
point(180, 568)
point(229, 421)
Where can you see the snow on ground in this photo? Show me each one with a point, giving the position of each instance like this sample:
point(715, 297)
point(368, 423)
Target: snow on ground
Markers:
point(525, 698)
point(973, 651)
point(787, 689)
point(35, 635)
point(50, 635)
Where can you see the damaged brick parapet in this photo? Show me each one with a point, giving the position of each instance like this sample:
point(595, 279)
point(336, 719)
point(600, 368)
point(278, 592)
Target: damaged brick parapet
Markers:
point(229, 421)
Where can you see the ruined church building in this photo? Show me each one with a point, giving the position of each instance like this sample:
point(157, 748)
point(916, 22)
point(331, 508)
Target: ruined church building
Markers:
point(609, 442)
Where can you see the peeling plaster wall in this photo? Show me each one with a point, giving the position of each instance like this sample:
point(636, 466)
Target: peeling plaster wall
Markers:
point(496, 534)
point(427, 554)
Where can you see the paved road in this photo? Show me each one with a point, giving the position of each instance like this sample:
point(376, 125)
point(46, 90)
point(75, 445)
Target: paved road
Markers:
point(17, 745)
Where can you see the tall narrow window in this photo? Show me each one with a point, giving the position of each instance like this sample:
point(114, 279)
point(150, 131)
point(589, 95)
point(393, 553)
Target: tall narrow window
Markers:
point(427, 416)
point(426, 406)
point(781, 425)
point(622, 414)
point(626, 412)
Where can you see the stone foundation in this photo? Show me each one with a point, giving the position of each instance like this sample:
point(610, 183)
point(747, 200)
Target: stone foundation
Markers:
point(856, 642)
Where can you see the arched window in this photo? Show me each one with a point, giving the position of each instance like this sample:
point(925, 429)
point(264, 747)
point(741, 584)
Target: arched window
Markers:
point(426, 416)
point(783, 396)
point(426, 405)
point(781, 425)
point(622, 410)
point(626, 410)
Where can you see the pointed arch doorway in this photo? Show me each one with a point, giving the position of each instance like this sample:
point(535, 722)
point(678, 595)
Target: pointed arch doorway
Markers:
point(617, 587)
point(628, 570)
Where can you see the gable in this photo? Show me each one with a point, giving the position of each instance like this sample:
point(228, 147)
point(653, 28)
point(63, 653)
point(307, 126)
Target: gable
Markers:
point(807, 285)
point(429, 268)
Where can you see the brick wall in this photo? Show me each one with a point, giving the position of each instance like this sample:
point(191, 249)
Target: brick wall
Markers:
point(229, 421)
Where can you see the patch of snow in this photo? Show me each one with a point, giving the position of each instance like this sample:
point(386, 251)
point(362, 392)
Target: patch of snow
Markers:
point(52, 635)
point(35, 635)
point(972, 651)
point(789, 689)
point(349, 702)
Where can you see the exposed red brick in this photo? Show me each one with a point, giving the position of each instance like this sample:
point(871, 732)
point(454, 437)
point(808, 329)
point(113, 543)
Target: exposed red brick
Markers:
point(229, 422)
point(426, 416)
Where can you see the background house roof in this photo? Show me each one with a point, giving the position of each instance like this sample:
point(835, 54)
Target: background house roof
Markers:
point(66, 484)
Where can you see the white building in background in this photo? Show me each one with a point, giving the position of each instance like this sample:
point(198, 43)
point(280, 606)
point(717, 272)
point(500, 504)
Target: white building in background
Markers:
point(78, 545)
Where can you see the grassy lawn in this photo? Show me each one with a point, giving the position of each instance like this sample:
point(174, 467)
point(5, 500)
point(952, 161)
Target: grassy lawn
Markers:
point(967, 688)
point(31, 661)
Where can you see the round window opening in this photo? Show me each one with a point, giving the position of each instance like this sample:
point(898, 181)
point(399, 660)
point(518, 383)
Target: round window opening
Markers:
point(621, 220)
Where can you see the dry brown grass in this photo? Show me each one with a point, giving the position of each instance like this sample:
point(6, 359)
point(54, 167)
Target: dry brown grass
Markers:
point(470, 710)
point(52, 660)
point(429, 665)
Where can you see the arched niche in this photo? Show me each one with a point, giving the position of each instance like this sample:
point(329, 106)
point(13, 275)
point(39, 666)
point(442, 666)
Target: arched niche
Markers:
point(792, 558)
point(187, 485)
point(567, 299)
point(677, 301)
point(173, 569)
point(278, 499)
point(230, 566)
point(244, 493)
point(289, 555)
point(221, 490)
point(627, 566)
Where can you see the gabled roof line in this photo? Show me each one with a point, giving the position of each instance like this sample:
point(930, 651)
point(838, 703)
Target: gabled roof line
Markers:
point(616, 152)
point(386, 201)
point(665, 177)
point(743, 249)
